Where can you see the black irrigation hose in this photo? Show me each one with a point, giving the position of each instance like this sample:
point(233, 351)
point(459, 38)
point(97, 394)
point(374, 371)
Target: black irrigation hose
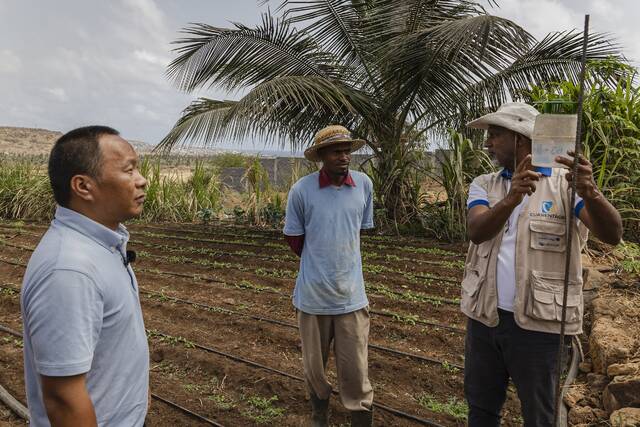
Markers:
point(293, 326)
point(253, 245)
point(10, 331)
point(423, 322)
point(273, 321)
point(274, 291)
point(380, 406)
point(211, 279)
point(248, 362)
point(186, 411)
point(155, 396)
point(441, 280)
point(276, 235)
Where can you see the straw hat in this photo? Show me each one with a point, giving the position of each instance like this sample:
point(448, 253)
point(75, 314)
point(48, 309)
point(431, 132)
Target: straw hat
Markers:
point(516, 116)
point(331, 135)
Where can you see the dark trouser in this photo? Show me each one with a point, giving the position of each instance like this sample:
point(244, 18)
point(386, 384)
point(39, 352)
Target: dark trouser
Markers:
point(492, 355)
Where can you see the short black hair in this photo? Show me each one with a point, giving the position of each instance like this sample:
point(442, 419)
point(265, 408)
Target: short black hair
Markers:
point(77, 152)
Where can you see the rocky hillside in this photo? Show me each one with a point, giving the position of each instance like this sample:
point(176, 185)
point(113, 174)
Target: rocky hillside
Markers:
point(29, 141)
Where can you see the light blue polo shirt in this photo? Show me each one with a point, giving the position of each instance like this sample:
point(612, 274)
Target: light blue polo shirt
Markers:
point(330, 279)
point(81, 314)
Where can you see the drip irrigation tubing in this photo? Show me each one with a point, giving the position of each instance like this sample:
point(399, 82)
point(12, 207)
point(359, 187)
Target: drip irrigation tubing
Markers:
point(277, 237)
point(255, 245)
point(253, 255)
point(293, 326)
point(249, 244)
point(186, 411)
point(281, 323)
point(216, 254)
point(211, 279)
point(13, 404)
point(439, 280)
point(153, 395)
point(257, 365)
point(424, 297)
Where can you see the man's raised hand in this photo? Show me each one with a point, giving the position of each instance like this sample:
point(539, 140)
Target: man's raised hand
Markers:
point(585, 184)
point(523, 182)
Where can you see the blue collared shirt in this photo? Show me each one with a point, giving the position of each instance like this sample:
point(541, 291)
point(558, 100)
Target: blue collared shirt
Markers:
point(81, 315)
point(330, 279)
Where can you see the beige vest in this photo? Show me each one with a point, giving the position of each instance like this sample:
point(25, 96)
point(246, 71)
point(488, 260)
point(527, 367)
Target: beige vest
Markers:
point(539, 261)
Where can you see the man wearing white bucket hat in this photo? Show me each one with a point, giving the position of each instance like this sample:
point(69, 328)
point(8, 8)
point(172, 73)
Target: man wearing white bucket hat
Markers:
point(512, 288)
point(325, 212)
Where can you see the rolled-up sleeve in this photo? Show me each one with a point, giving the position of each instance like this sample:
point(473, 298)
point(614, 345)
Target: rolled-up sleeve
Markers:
point(64, 317)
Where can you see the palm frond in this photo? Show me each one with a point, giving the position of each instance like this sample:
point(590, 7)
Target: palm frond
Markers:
point(555, 58)
point(339, 26)
point(287, 109)
point(242, 56)
point(198, 124)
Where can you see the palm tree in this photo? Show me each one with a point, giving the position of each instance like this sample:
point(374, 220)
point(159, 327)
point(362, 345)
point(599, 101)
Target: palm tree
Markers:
point(393, 71)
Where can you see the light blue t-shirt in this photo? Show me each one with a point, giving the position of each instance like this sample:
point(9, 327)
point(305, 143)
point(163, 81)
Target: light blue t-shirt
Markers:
point(81, 314)
point(330, 278)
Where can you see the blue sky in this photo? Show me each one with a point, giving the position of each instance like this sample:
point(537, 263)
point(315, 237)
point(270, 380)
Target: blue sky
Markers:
point(68, 63)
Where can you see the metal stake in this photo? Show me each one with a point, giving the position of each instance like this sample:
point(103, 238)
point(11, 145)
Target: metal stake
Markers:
point(571, 213)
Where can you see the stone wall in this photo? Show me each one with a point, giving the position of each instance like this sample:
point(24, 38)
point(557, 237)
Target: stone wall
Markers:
point(608, 390)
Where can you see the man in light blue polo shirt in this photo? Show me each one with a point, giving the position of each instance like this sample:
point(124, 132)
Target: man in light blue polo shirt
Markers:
point(325, 212)
point(85, 348)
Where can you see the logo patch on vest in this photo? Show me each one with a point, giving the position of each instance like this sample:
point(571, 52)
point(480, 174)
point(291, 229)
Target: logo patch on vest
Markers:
point(547, 207)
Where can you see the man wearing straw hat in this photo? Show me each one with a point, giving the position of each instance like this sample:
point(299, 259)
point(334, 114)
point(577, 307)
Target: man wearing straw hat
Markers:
point(512, 290)
point(325, 212)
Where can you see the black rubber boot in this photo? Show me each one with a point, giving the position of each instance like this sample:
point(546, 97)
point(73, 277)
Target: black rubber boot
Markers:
point(319, 412)
point(362, 418)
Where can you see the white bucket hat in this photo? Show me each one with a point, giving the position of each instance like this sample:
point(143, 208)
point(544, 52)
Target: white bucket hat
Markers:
point(516, 116)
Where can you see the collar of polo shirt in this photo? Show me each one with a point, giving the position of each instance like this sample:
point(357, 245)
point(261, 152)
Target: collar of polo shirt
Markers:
point(507, 174)
point(112, 240)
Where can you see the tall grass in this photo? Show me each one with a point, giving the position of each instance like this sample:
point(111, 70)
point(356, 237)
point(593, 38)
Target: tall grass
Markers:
point(611, 134)
point(25, 192)
point(263, 205)
point(460, 163)
point(170, 198)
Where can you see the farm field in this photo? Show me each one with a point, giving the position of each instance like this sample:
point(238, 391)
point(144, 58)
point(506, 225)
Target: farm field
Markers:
point(222, 334)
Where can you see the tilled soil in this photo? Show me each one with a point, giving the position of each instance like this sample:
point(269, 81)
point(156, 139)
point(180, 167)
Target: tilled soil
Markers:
point(251, 280)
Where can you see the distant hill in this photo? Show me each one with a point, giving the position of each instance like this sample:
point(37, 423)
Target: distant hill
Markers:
point(30, 141)
point(27, 141)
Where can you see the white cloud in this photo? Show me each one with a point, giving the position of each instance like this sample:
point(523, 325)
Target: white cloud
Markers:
point(75, 62)
point(57, 93)
point(539, 17)
point(151, 58)
point(143, 111)
point(146, 22)
point(9, 62)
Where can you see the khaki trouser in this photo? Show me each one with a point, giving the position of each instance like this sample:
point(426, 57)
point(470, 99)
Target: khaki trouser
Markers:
point(350, 336)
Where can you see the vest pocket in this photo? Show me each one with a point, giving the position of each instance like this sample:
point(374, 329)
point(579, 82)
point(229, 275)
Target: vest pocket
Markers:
point(548, 236)
point(545, 300)
point(471, 285)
